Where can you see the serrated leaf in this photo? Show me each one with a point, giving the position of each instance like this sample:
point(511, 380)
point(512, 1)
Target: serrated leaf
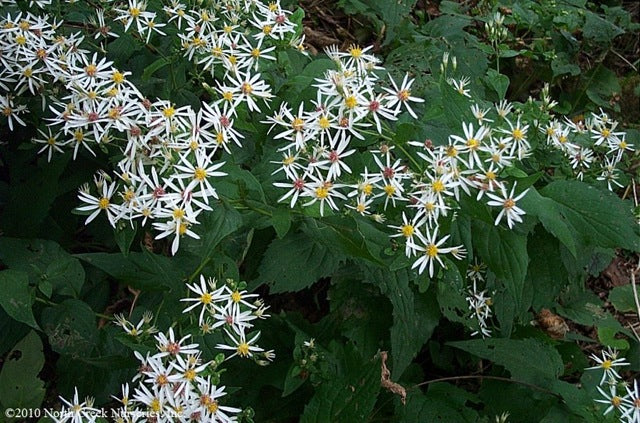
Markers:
point(16, 299)
point(20, 386)
point(528, 360)
point(442, 403)
point(296, 262)
point(281, 221)
point(71, 327)
point(350, 395)
point(505, 253)
point(143, 270)
point(125, 235)
point(154, 67)
point(576, 212)
point(499, 82)
point(214, 226)
point(622, 298)
point(44, 260)
point(455, 105)
point(600, 29)
point(414, 317)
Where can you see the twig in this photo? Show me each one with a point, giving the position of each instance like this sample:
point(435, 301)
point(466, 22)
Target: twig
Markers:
point(624, 59)
point(385, 380)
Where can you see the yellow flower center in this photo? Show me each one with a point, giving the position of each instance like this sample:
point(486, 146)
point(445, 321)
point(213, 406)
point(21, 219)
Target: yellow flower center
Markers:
point(200, 174)
point(404, 95)
point(432, 250)
point(206, 298)
point(178, 214)
point(351, 102)
point(168, 112)
point(517, 134)
point(103, 203)
point(407, 230)
point(190, 374)
point(243, 349)
point(117, 77)
point(236, 297)
point(134, 12)
point(508, 204)
point(297, 124)
point(355, 51)
point(266, 30)
point(324, 122)
point(389, 190)
point(255, 53)
point(322, 192)
point(607, 364)
point(472, 143)
point(437, 186)
point(91, 70)
point(367, 189)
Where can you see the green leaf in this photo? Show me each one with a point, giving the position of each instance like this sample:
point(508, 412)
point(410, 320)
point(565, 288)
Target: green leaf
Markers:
point(607, 336)
point(443, 402)
point(20, 386)
point(350, 394)
point(215, 225)
point(601, 86)
point(456, 106)
point(124, 235)
point(16, 299)
point(44, 260)
point(296, 262)
point(71, 327)
point(499, 82)
point(528, 360)
point(143, 270)
point(622, 298)
point(281, 221)
point(600, 29)
point(414, 316)
point(154, 67)
point(505, 253)
point(576, 212)
point(546, 272)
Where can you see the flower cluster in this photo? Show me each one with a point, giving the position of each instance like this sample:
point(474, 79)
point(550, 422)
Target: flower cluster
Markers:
point(626, 405)
point(350, 106)
point(230, 308)
point(479, 302)
point(171, 155)
point(593, 147)
point(173, 384)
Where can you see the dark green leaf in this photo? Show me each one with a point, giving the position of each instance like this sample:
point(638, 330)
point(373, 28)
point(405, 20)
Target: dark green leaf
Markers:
point(71, 327)
point(143, 270)
point(499, 82)
point(296, 262)
point(528, 360)
point(281, 221)
point(505, 253)
point(622, 298)
point(16, 297)
point(414, 316)
point(124, 235)
point(20, 385)
point(350, 395)
point(44, 260)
